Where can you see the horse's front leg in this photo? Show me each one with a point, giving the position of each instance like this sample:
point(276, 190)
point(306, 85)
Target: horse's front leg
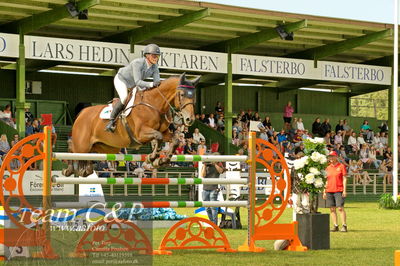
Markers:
point(172, 147)
point(150, 134)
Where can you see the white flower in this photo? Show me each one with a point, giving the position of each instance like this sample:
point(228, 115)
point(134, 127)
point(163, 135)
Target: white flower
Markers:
point(323, 159)
point(318, 140)
point(301, 176)
point(315, 156)
point(310, 178)
point(298, 164)
point(318, 183)
point(314, 171)
point(305, 159)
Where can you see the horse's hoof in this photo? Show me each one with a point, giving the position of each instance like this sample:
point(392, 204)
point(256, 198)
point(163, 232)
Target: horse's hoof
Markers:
point(67, 172)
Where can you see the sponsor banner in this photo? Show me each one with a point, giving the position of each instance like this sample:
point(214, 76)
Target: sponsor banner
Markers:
point(105, 53)
point(304, 69)
point(189, 60)
point(9, 45)
point(68, 50)
point(33, 184)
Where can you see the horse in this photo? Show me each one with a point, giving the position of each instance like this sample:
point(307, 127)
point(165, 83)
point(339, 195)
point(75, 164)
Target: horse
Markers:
point(151, 115)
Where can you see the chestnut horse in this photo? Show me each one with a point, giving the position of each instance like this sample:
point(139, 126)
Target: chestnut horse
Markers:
point(150, 117)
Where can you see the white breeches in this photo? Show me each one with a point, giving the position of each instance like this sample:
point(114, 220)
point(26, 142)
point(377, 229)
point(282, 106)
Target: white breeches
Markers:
point(121, 88)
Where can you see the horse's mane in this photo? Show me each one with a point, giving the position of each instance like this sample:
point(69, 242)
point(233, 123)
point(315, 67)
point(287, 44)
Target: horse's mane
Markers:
point(170, 82)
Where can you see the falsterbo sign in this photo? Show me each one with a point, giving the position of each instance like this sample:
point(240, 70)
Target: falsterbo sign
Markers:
point(304, 69)
point(104, 53)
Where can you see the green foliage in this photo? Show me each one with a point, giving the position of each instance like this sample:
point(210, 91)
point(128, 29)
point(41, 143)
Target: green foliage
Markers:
point(310, 169)
point(375, 104)
point(387, 202)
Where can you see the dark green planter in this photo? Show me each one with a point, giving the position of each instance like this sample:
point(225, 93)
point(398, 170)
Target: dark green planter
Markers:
point(314, 230)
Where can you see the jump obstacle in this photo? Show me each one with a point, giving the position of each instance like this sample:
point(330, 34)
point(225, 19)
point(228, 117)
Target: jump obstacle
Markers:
point(199, 233)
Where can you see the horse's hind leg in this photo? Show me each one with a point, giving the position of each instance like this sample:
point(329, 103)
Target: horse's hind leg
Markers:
point(69, 170)
point(85, 168)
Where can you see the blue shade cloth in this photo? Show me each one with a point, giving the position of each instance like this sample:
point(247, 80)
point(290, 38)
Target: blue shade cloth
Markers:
point(149, 214)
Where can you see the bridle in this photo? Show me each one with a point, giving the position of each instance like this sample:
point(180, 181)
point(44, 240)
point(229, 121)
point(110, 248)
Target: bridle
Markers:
point(176, 112)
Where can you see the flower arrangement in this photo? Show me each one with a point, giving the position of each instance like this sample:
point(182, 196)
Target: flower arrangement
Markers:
point(310, 170)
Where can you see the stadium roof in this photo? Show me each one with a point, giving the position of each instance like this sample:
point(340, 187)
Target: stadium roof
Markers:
point(203, 26)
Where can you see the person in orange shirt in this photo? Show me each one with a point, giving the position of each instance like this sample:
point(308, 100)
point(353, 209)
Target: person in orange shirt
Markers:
point(335, 190)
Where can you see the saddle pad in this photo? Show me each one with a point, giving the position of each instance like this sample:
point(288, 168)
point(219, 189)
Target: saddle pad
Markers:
point(106, 112)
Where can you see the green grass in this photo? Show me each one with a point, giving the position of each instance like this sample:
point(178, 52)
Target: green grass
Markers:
point(374, 235)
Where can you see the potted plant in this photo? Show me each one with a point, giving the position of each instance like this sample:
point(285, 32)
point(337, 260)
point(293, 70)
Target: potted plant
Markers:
point(309, 181)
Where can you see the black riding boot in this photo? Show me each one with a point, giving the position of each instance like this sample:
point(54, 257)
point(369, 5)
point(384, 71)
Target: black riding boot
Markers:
point(113, 117)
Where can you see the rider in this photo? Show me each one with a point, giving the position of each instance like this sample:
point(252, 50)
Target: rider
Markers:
point(133, 75)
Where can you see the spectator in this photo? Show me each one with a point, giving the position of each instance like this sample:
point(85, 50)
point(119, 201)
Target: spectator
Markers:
point(210, 192)
point(28, 116)
point(102, 166)
point(316, 128)
point(326, 127)
point(268, 125)
point(353, 143)
point(248, 115)
point(189, 149)
point(197, 136)
point(343, 158)
point(305, 135)
point(376, 142)
point(221, 124)
point(384, 139)
point(384, 127)
point(387, 155)
point(338, 138)
point(256, 117)
point(372, 157)
point(263, 133)
point(187, 133)
point(297, 140)
point(211, 121)
point(300, 125)
point(364, 154)
point(347, 129)
point(360, 140)
point(386, 170)
point(180, 149)
point(328, 139)
point(15, 140)
point(339, 126)
point(202, 148)
point(4, 145)
point(335, 191)
point(203, 118)
point(287, 114)
point(282, 140)
point(7, 116)
point(354, 170)
point(36, 126)
point(299, 151)
point(366, 130)
point(219, 110)
point(235, 137)
point(28, 129)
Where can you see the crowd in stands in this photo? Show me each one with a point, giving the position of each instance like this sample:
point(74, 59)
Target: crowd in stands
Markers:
point(361, 149)
point(32, 126)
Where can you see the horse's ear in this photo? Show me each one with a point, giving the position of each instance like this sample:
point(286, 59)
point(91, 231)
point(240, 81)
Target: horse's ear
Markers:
point(182, 78)
point(196, 81)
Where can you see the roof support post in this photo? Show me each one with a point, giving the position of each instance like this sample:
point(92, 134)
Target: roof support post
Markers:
point(148, 31)
point(228, 115)
point(20, 89)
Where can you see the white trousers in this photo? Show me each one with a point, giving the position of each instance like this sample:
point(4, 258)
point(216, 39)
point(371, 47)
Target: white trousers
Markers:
point(121, 88)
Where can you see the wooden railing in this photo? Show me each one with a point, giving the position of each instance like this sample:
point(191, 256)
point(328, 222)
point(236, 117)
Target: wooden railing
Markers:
point(376, 186)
